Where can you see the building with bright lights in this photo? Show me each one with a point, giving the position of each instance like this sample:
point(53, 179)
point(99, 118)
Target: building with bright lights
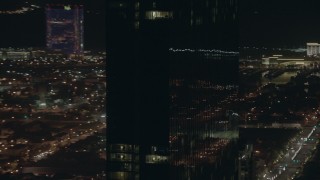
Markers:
point(276, 60)
point(65, 29)
point(14, 54)
point(313, 49)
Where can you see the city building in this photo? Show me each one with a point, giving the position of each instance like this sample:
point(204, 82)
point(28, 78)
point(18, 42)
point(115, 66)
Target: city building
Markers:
point(206, 23)
point(38, 53)
point(313, 49)
point(140, 119)
point(65, 29)
point(203, 23)
point(276, 60)
point(14, 54)
point(246, 163)
point(138, 58)
point(202, 130)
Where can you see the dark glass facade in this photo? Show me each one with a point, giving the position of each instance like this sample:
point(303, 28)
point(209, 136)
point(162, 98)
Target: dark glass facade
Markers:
point(156, 95)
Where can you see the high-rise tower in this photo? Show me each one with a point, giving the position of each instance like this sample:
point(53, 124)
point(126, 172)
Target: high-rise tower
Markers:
point(65, 29)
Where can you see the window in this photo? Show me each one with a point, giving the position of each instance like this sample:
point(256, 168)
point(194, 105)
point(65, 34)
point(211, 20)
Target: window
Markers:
point(152, 15)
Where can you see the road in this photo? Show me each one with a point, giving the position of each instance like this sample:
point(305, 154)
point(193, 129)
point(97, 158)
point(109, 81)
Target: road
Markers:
point(298, 151)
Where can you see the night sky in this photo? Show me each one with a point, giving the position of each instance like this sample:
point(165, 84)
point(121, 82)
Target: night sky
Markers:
point(269, 23)
point(279, 23)
point(28, 30)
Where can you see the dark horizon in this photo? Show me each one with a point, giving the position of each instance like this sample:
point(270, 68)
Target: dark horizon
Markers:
point(272, 23)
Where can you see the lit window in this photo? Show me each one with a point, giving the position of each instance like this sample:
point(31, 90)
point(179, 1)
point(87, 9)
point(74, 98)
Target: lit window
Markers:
point(136, 25)
point(137, 5)
point(158, 15)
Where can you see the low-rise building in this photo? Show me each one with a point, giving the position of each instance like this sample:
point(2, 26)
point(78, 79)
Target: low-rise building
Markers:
point(313, 49)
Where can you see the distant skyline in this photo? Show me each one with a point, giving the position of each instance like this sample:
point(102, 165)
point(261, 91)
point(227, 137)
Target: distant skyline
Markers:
point(279, 23)
point(29, 29)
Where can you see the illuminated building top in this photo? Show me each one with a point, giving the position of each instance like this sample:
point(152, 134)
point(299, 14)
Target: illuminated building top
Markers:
point(65, 29)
